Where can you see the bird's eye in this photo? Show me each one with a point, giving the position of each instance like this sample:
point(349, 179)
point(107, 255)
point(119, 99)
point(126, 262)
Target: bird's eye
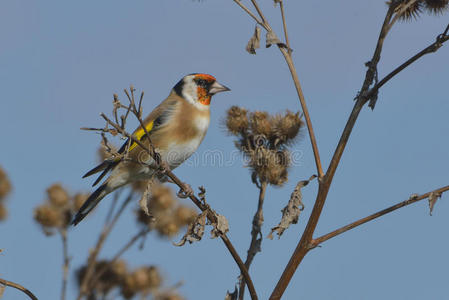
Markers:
point(202, 82)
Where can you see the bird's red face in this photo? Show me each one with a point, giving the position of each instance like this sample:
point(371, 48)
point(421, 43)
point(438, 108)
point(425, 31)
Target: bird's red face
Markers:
point(199, 88)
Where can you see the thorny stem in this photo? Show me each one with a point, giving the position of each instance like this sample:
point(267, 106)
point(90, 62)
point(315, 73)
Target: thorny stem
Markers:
point(167, 172)
point(18, 287)
point(256, 235)
point(411, 200)
point(66, 263)
point(91, 261)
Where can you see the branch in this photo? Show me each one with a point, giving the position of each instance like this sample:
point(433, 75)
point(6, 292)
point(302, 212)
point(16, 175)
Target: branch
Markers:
point(256, 232)
point(305, 243)
point(66, 263)
point(411, 200)
point(432, 48)
point(19, 287)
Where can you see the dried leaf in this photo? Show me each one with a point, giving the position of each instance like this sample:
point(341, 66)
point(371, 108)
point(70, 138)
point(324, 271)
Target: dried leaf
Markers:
point(195, 231)
point(221, 227)
point(254, 41)
point(232, 296)
point(290, 213)
point(271, 39)
point(2, 289)
point(433, 197)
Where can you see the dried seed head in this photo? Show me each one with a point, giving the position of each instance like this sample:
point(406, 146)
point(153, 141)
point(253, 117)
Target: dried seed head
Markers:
point(119, 267)
point(3, 212)
point(260, 123)
point(286, 128)
point(144, 219)
point(57, 195)
point(166, 225)
point(278, 168)
point(112, 276)
point(78, 201)
point(49, 216)
point(142, 279)
point(184, 215)
point(411, 12)
point(436, 6)
point(5, 184)
point(162, 198)
point(170, 295)
point(236, 120)
point(270, 165)
point(139, 186)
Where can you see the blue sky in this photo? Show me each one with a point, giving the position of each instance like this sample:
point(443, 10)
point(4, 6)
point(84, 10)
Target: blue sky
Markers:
point(60, 63)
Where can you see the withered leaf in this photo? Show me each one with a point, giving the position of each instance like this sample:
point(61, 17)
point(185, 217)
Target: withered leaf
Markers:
point(232, 296)
point(271, 39)
point(221, 227)
point(195, 231)
point(2, 289)
point(290, 213)
point(254, 41)
point(433, 197)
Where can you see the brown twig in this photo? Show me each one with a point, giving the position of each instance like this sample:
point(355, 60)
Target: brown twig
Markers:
point(256, 235)
point(91, 261)
point(19, 287)
point(440, 40)
point(66, 262)
point(411, 200)
point(167, 172)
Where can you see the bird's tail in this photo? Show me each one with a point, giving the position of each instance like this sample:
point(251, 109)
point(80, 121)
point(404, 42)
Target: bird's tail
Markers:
point(91, 202)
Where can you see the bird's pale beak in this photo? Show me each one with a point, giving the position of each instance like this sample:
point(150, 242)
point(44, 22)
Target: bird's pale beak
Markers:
point(217, 88)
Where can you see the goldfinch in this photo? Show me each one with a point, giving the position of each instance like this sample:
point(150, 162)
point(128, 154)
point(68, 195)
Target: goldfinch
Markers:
point(176, 128)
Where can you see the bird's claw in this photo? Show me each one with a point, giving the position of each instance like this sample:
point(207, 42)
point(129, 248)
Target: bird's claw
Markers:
point(186, 191)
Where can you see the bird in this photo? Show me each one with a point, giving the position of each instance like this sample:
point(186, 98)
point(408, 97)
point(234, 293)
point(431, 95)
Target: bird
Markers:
point(176, 128)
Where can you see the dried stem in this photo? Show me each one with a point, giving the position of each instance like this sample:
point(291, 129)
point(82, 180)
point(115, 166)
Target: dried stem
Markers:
point(92, 260)
point(411, 200)
point(66, 262)
point(19, 287)
point(256, 235)
point(284, 25)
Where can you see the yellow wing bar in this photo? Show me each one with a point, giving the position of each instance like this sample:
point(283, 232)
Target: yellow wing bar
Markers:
point(140, 133)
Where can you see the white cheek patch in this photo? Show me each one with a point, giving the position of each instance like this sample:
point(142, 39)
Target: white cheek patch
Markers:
point(189, 91)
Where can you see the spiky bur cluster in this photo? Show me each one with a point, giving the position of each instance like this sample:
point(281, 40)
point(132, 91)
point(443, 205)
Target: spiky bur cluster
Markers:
point(57, 210)
point(168, 216)
point(5, 189)
point(143, 281)
point(414, 9)
point(264, 139)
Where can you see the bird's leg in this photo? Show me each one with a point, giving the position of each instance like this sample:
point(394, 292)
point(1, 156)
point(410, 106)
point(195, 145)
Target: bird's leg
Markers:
point(186, 191)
